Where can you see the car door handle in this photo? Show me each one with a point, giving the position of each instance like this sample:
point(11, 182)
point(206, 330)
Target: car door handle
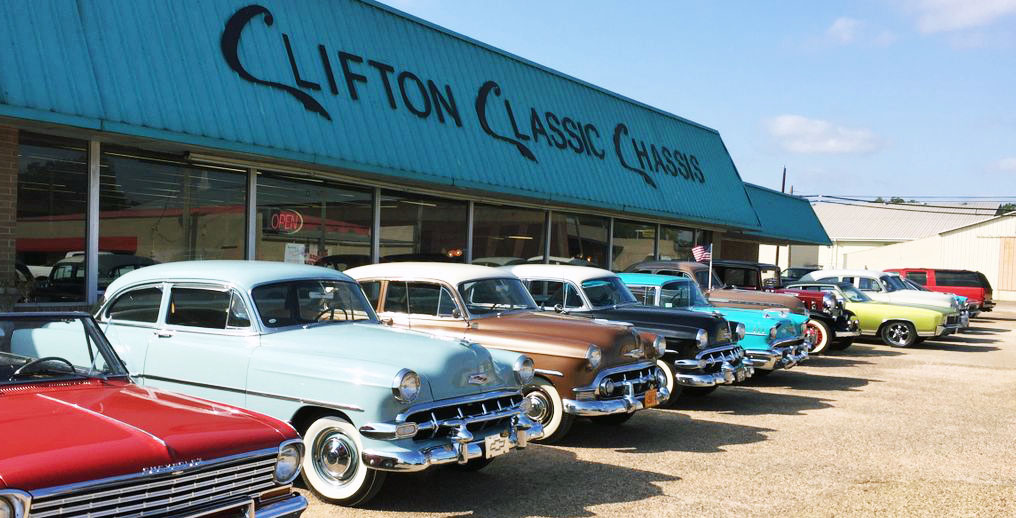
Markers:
point(163, 333)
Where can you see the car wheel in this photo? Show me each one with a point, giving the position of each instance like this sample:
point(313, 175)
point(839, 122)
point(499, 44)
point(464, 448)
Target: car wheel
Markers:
point(841, 344)
point(547, 408)
point(898, 334)
point(332, 466)
point(821, 333)
point(698, 391)
point(672, 386)
point(612, 420)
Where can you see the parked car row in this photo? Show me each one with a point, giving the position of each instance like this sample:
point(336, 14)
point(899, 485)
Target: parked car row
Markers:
point(277, 370)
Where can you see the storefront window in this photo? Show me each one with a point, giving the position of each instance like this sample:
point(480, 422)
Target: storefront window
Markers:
point(422, 228)
point(676, 243)
point(633, 242)
point(507, 235)
point(312, 221)
point(51, 226)
point(582, 239)
point(156, 209)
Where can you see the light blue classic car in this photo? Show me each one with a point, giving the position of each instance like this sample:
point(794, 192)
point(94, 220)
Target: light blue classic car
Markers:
point(302, 343)
point(773, 339)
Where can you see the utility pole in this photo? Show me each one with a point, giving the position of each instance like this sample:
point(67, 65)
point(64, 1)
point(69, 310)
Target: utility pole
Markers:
point(783, 188)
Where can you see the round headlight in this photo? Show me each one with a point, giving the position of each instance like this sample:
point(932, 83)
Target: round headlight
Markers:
point(287, 464)
point(773, 331)
point(524, 369)
point(828, 302)
point(660, 344)
point(741, 331)
point(593, 355)
point(406, 386)
point(702, 338)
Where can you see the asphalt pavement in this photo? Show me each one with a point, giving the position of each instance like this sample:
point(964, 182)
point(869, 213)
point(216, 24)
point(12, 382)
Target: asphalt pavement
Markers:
point(870, 431)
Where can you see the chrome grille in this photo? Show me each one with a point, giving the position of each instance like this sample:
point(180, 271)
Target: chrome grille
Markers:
point(161, 495)
point(641, 379)
point(952, 320)
point(716, 357)
point(440, 419)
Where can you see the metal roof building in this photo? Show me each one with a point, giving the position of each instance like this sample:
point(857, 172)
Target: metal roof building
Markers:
point(341, 132)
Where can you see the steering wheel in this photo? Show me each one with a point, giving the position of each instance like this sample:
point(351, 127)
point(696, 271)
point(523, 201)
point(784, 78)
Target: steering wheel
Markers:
point(332, 310)
point(21, 370)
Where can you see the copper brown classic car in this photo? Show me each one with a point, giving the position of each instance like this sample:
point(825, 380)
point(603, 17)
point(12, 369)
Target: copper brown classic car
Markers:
point(604, 371)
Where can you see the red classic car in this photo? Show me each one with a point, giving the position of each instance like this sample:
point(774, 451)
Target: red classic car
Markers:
point(79, 439)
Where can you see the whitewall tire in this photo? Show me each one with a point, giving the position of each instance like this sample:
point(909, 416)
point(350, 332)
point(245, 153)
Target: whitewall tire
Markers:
point(547, 408)
point(332, 465)
point(822, 333)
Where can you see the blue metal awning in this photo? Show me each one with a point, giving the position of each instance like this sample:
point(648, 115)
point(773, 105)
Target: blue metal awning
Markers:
point(785, 218)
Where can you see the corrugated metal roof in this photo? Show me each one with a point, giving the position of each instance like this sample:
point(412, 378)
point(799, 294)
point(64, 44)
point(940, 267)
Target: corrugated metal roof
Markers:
point(158, 69)
point(892, 222)
point(785, 217)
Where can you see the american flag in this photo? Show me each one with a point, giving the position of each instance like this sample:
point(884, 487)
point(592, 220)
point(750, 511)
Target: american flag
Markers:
point(700, 253)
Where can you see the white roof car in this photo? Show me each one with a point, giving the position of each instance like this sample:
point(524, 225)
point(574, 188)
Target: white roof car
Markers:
point(454, 273)
point(576, 274)
point(885, 287)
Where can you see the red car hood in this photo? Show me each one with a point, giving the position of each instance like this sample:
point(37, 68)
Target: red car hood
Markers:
point(54, 435)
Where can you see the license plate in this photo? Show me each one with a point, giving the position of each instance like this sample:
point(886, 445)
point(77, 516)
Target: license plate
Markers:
point(495, 445)
point(651, 399)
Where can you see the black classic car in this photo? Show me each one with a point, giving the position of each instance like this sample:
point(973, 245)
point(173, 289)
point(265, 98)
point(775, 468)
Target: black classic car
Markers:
point(702, 351)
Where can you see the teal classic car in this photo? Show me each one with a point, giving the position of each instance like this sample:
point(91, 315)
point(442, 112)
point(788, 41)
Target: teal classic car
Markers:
point(302, 343)
point(773, 338)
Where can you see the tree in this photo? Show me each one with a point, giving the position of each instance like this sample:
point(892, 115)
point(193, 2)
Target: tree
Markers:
point(896, 199)
point(1005, 208)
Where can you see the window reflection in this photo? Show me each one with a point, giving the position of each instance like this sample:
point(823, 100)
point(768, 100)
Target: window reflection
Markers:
point(507, 235)
point(581, 239)
point(633, 242)
point(422, 228)
point(303, 220)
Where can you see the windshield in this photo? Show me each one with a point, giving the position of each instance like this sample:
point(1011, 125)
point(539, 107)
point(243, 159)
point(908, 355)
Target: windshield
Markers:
point(681, 294)
point(911, 285)
point(893, 283)
point(853, 294)
point(490, 296)
point(311, 301)
point(608, 291)
point(702, 278)
point(42, 348)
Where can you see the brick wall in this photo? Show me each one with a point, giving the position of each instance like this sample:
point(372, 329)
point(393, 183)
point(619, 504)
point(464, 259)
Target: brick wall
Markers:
point(8, 202)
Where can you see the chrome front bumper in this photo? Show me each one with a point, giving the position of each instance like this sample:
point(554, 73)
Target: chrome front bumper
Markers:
point(288, 507)
point(852, 329)
point(461, 448)
point(725, 376)
point(779, 357)
point(600, 407)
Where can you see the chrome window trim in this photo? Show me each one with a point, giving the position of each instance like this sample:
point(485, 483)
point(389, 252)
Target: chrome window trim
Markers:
point(586, 306)
point(327, 404)
point(196, 465)
point(103, 313)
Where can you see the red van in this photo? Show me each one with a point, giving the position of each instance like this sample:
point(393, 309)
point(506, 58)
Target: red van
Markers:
point(972, 285)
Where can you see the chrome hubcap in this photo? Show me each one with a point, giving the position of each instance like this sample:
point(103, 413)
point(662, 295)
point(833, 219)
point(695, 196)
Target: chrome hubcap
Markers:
point(899, 334)
point(539, 407)
point(335, 456)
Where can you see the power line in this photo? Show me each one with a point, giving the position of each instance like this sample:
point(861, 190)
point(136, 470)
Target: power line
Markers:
point(906, 204)
point(891, 207)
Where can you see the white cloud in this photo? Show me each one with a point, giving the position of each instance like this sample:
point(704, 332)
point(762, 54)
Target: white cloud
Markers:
point(843, 30)
point(952, 15)
point(799, 134)
point(1007, 164)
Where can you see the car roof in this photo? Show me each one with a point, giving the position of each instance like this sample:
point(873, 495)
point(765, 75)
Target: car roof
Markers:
point(558, 271)
point(738, 262)
point(821, 274)
point(453, 273)
point(242, 274)
point(649, 279)
point(670, 264)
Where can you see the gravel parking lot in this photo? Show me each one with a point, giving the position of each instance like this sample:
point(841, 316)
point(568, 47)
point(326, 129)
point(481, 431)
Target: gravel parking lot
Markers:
point(870, 431)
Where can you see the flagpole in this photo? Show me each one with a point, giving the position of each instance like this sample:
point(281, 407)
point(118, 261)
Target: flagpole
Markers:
point(710, 267)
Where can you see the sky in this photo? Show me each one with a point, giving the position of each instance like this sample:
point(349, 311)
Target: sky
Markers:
point(866, 97)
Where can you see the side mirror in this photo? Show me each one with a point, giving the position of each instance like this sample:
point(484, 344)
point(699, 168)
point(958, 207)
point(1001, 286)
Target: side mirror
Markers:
point(388, 321)
point(559, 308)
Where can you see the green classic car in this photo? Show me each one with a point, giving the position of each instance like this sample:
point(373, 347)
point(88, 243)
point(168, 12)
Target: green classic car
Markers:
point(897, 325)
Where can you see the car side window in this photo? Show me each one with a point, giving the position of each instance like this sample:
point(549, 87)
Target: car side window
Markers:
point(372, 289)
point(831, 279)
point(671, 272)
point(430, 299)
point(918, 277)
point(197, 307)
point(137, 305)
point(866, 284)
point(547, 293)
point(644, 294)
point(396, 298)
point(238, 316)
